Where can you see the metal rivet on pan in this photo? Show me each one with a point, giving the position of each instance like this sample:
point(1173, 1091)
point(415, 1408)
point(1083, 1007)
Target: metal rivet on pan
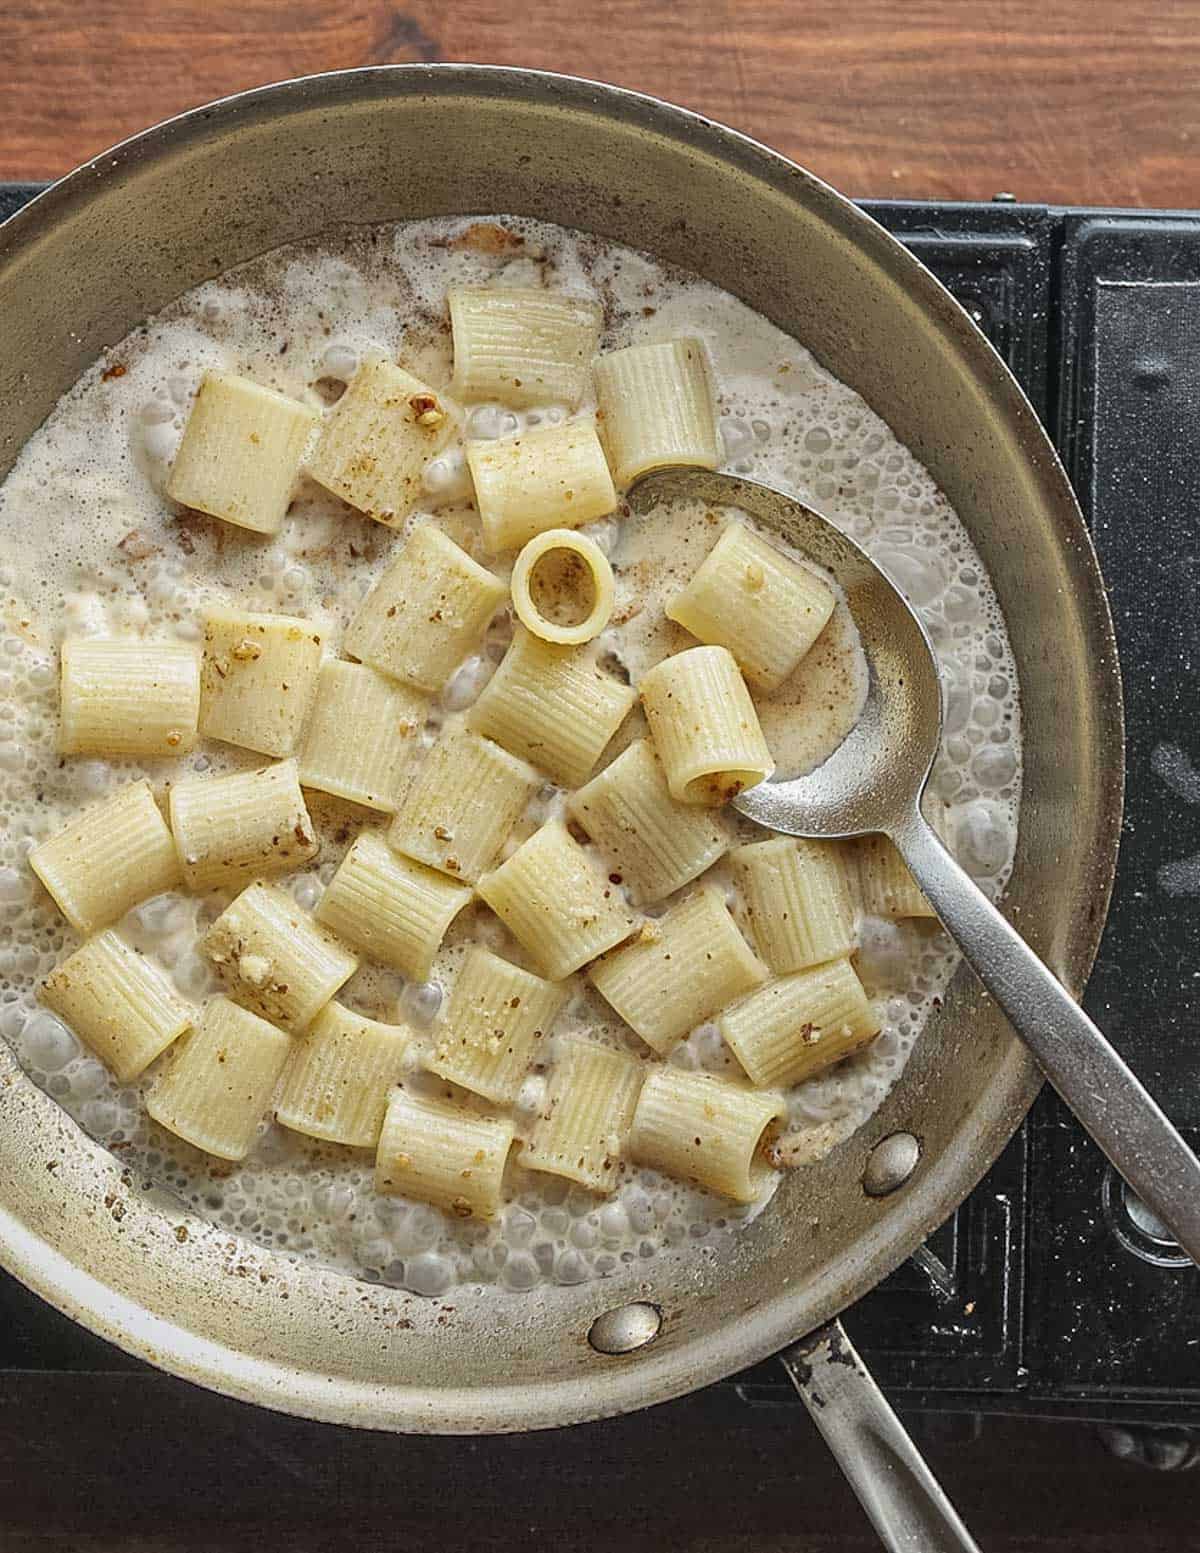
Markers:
point(891, 1162)
point(626, 1328)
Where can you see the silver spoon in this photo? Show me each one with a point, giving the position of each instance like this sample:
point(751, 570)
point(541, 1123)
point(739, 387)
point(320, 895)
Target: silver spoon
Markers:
point(872, 783)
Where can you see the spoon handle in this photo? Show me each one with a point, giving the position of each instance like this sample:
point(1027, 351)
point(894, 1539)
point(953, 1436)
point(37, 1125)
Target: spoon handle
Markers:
point(1087, 1071)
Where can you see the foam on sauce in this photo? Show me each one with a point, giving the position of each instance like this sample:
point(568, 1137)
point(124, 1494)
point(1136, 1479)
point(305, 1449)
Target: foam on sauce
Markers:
point(89, 545)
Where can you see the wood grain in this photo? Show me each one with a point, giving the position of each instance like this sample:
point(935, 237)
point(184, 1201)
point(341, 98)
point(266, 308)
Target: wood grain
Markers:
point(1083, 101)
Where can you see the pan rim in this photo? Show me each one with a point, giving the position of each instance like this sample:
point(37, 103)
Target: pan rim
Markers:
point(652, 1377)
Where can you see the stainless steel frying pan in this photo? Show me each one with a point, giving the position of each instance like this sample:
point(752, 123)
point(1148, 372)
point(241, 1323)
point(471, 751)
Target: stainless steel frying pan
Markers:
point(122, 236)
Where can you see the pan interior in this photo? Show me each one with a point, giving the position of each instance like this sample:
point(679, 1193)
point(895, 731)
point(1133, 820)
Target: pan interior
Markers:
point(205, 193)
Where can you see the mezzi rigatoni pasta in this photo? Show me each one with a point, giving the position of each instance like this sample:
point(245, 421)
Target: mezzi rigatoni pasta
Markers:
point(656, 408)
point(681, 968)
point(886, 887)
point(219, 1080)
point(493, 1024)
point(374, 444)
point(792, 1028)
point(125, 698)
point(257, 678)
point(704, 726)
point(242, 826)
point(551, 477)
point(394, 909)
point(443, 1154)
point(557, 902)
point(461, 805)
point(108, 858)
point(119, 1004)
point(581, 1128)
point(562, 587)
point(426, 613)
point(362, 735)
point(522, 345)
point(241, 452)
point(797, 900)
point(274, 959)
point(553, 706)
point(340, 1075)
point(764, 606)
point(655, 844)
point(709, 1130)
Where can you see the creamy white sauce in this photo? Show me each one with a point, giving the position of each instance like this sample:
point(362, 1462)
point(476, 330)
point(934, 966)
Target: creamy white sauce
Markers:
point(88, 544)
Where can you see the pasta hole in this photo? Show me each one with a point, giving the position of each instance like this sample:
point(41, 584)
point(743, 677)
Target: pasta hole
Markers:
point(562, 588)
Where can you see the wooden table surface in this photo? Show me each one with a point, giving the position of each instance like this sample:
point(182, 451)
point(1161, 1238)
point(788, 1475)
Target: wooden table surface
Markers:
point(1072, 101)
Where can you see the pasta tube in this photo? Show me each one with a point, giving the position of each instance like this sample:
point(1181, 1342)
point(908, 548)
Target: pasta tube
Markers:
point(554, 477)
point(708, 1130)
point(553, 706)
point(241, 452)
point(797, 901)
point(562, 587)
point(441, 1153)
point(257, 679)
point(108, 858)
point(218, 1084)
point(752, 598)
point(118, 1003)
point(363, 735)
point(375, 442)
point(885, 884)
point(391, 908)
point(496, 1017)
point(128, 698)
point(656, 408)
point(679, 970)
point(655, 844)
point(704, 726)
point(796, 1026)
point(589, 1106)
point(522, 345)
point(275, 959)
point(340, 1076)
point(556, 902)
point(247, 825)
point(426, 613)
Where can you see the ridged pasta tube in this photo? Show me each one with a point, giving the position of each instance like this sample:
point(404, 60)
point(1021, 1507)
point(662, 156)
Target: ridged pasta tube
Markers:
point(362, 736)
point(241, 452)
point(656, 844)
point(495, 1019)
point(441, 1153)
point(556, 902)
point(552, 477)
point(764, 606)
point(375, 442)
point(462, 804)
point(796, 1026)
point(797, 900)
point(553, 706)
point(681, 968)
point(562, 587)
point(708, 1130)
point(426, 613)
point(656, 408)
point(704, 726)
point(340, 1077)
point(246, 825)
point(219, 1080)
point(275, 959)
point(393, 909)
point(522, 345)
point(257, 679)
point(119, 1004)
point(125, 698)
point(581, 1130)
point(108, 858)
point(885, 884)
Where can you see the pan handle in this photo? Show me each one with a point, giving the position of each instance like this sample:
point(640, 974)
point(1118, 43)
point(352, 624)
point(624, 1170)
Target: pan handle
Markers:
point(884, 1468)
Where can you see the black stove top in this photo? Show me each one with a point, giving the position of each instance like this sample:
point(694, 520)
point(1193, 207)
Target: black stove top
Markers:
point(1044, 1294)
